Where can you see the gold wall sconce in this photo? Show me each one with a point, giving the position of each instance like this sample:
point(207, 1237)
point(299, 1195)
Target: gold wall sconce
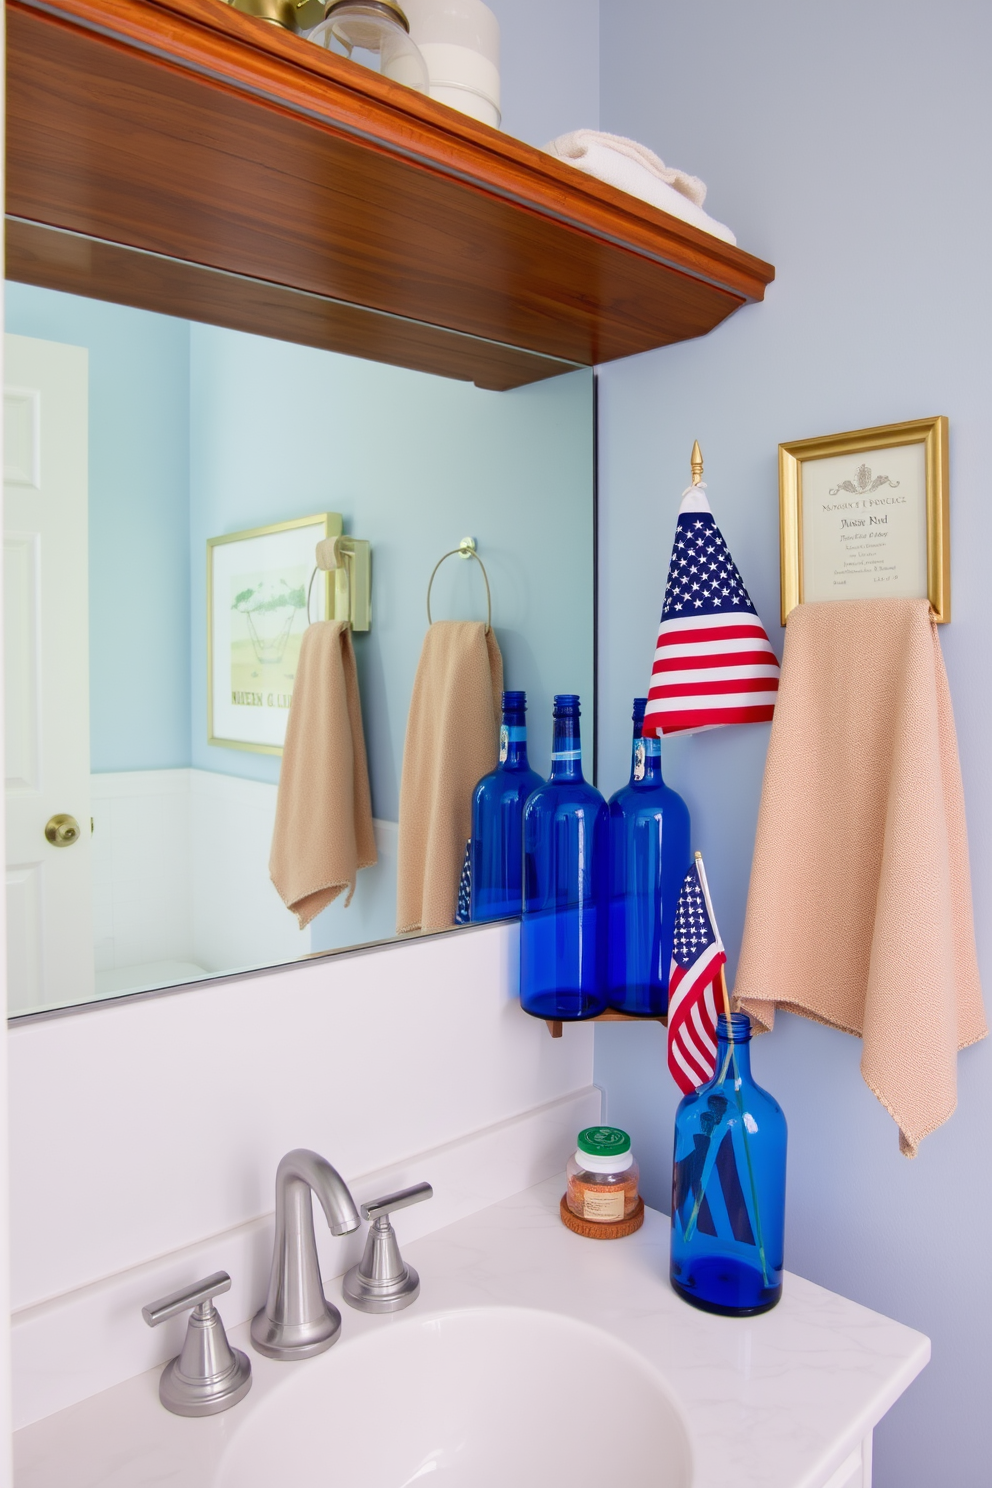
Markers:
point(347, 561)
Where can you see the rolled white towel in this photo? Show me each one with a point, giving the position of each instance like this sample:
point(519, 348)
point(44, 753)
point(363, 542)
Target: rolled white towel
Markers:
point(640, 172)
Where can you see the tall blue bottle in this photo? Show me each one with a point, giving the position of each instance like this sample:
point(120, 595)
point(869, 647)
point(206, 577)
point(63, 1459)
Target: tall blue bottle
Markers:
point(650, 855)
point(728, 1186)
point(497, 819)
point(563, 929)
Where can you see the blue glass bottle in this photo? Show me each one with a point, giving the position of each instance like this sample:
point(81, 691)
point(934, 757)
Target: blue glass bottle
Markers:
point(563, 929)
point(497, 819)
point(650, 855)
point(728, 1186)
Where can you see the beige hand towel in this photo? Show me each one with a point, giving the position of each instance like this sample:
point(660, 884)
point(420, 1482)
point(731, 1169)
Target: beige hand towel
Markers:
point(451, 742)
point(859, 910)
point(323, 832)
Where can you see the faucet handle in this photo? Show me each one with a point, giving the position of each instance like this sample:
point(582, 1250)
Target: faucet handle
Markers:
point(389, 1202)
point(191, 1296)
point(208, 1376)
point(382, 1281)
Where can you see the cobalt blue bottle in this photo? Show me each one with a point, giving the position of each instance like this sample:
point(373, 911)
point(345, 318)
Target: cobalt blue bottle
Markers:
point(649, 857)
point(497, 819)
point(563, 929)
point(728, 1186)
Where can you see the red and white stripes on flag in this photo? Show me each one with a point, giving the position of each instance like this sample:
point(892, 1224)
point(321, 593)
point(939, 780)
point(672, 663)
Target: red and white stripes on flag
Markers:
point(713, 663)
point(697, 959)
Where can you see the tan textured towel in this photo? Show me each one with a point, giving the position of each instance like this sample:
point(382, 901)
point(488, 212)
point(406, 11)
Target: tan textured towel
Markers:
point(451, 742)
point(859, 909)
point(323, 832)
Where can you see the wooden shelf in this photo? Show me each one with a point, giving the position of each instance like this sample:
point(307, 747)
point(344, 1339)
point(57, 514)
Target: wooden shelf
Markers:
point(182, 157)
point(556, 1026)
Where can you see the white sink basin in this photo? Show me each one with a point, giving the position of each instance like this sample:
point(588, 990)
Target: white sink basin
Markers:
point(494, 1397)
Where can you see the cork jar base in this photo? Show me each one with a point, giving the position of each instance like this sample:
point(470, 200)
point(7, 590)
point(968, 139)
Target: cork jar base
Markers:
point(595, 1229)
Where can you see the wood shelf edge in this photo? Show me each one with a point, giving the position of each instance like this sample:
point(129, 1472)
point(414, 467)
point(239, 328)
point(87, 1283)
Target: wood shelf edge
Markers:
point(233, 50)
point(75, 263)
point(556, 1025)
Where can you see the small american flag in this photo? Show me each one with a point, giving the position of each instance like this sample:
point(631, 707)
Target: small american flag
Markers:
point(697, 958)
point(713, 663)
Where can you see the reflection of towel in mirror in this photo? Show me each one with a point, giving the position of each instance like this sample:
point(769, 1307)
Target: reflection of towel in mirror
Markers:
point(323, 832)
point(859, 911)
point(634, 168)
point(451, 742)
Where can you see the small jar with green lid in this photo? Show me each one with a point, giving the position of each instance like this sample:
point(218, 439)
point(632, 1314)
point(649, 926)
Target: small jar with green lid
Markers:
point(602, 1176)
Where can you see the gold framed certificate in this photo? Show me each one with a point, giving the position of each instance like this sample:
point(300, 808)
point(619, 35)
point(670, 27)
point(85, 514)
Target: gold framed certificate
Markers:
point(865, 515)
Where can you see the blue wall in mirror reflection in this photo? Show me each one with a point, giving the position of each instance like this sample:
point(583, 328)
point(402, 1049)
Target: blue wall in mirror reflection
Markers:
point(413, 463)
point(196, 431)
point(140, 704)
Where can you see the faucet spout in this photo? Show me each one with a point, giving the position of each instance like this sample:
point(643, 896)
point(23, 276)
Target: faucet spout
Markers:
point(301, 1170)
point(297, 1321)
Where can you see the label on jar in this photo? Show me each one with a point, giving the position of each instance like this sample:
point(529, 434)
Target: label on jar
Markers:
point(603, 1206)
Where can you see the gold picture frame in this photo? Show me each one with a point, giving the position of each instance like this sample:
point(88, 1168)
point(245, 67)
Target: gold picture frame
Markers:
point(845, 555)
point(258, 596)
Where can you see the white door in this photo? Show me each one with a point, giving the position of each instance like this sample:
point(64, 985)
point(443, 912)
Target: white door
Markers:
point(46, 650)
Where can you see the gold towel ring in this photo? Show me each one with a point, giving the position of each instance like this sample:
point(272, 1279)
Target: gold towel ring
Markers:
point(309, 592)
point(465, 549)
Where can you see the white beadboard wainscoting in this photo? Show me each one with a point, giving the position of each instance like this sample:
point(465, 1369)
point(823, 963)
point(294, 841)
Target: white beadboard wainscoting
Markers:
point(169, 1114)
point(180, 873)
point(181, 883)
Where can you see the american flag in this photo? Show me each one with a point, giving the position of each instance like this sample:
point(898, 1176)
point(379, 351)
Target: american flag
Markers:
point(697, 957)
point(713, 663)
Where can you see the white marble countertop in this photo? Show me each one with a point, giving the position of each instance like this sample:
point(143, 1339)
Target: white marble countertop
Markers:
point(777, 1401)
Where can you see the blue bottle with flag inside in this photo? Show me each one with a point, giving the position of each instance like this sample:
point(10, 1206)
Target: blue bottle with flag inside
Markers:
point(728, 1185)
point(649, 857)
point(563, 928)
point(497, 819)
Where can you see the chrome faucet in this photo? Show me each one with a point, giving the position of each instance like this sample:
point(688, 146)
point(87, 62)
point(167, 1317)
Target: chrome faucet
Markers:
point(297, 1320)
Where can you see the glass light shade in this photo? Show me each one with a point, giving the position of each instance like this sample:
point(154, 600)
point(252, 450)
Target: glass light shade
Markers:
point(373, 34)
point(459, 40)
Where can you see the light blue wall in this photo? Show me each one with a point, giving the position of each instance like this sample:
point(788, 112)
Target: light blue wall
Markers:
point(413, 463)
point(183, 445)
point(138, 521)
point(848, 144)
point(549, 67)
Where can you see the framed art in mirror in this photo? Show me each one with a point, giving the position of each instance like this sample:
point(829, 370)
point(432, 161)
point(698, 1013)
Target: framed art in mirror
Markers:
point(258, 588)
point(865, 515)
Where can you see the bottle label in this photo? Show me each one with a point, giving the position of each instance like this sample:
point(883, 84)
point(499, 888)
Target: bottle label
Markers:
point(567, 754)
point(645, 749)
point(510, 733)
point(603, 1206)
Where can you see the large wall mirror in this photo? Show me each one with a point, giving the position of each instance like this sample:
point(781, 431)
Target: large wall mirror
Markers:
point(132, 438)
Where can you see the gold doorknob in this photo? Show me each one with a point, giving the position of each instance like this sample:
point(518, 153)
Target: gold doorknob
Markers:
point(62, 830)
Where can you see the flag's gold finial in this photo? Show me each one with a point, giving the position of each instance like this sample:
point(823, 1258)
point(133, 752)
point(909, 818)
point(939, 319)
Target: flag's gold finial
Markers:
point(696, 463)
